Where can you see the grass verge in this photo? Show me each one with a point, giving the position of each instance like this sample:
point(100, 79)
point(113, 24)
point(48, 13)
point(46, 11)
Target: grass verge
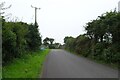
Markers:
point(29, 66)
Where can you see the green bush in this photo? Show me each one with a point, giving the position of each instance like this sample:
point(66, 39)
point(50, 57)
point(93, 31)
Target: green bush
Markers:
point(17, 38)
point(98, 49)
point(110, 55)
point(86, 52)
point(9, 44)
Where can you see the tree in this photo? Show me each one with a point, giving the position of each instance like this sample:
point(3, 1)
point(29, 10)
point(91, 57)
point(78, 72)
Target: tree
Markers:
point(51, 40)
point(101, 40)
point(33, 38)
point(69, 42)
point(46, 42)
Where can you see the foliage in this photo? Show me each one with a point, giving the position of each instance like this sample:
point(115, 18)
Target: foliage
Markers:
point(28, 66)
point(69, 41)
point(18, 37)
point(33, 38)
point(48, 42)
point(101, 40)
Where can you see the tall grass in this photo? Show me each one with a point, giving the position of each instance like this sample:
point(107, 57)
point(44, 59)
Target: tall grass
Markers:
point(29, 66)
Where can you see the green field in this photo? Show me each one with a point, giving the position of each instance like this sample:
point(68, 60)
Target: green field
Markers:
point(29, 66)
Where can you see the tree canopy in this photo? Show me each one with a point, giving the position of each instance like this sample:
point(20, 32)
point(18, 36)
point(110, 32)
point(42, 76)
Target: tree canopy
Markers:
point(101, 40)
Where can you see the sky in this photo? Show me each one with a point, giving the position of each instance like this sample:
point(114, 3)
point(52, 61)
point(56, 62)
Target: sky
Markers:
point(59, 18)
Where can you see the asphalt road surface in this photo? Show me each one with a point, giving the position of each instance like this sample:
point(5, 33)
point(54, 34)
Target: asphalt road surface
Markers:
point(62, 64)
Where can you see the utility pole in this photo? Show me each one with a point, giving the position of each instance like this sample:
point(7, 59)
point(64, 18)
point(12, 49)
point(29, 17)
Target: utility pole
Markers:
point(35, 14)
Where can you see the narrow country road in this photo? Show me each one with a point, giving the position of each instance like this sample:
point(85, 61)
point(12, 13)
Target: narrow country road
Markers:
point(62, 64)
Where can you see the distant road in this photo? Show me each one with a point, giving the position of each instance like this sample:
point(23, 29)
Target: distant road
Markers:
point(62, 64)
